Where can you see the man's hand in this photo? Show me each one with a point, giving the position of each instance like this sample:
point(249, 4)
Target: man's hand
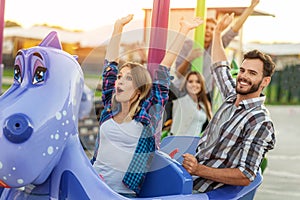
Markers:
point(190, 163)
point(224, 22)
point(254, 3)
point(189, 25)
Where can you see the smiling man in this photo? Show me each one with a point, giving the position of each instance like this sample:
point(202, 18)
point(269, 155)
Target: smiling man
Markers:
point(241, 132)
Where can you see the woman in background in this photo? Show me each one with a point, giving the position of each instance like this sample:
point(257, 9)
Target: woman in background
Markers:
point(191, 111)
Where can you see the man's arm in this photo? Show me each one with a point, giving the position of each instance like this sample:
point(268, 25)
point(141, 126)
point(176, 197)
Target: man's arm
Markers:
point(233, 31)
point(231, 176)
point(178, 42)
point(247, 12)
point(183, 68)
point(218, 52)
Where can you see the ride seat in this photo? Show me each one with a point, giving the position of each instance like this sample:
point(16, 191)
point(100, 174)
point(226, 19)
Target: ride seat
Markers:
point(184, 144)
point(166, 177)
point(188, 144)
point(237, 192)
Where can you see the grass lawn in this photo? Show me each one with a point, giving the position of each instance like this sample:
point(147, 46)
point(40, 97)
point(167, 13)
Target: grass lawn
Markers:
point(8, 72)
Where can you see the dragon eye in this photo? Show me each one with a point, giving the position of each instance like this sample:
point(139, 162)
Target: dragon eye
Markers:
point(39, 75)
point(18, 68)
point(17, 73)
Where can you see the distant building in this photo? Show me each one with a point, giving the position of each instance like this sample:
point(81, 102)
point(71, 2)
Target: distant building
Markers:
point(176, 14)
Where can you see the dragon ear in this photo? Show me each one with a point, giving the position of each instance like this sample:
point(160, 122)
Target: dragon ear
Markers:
point(51, 40)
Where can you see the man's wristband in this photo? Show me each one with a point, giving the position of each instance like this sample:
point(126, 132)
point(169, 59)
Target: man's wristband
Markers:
point(220, 64)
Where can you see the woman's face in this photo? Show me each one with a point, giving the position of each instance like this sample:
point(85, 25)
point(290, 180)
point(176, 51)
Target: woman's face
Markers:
point(193, 85)
point(125, 88)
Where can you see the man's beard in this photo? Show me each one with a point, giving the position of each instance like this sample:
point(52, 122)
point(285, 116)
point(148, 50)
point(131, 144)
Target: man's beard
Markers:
point(253, 88)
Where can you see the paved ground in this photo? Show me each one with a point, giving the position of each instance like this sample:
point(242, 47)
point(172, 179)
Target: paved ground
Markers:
point(282, 176)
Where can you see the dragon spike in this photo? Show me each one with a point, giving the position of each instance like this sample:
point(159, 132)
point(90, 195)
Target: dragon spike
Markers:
point(51, 40)
point(76, 57)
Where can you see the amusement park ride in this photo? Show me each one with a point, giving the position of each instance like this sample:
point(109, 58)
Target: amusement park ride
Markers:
point(40, 152)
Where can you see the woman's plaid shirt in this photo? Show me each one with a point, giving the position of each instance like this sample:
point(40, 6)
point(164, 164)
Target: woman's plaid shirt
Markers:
point(149, 115)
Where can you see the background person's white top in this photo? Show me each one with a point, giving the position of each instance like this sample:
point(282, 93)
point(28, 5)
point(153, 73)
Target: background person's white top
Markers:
point(187, 119)
point(116, 149)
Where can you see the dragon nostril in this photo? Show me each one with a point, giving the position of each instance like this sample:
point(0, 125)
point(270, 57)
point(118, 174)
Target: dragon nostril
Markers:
point(17, 128)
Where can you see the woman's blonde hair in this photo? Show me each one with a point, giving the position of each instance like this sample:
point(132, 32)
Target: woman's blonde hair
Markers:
point(142, 81)
point(201, 96)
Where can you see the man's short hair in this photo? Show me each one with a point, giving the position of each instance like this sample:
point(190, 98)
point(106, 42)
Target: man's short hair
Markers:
point(269, 65)
point(211, 20)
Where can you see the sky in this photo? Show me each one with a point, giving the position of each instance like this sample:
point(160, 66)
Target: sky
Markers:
point(92, 14)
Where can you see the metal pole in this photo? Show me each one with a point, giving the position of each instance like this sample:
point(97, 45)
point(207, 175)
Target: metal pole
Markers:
point(159, 31)
point(2, 8)
point(158, 43)
point(197, 64)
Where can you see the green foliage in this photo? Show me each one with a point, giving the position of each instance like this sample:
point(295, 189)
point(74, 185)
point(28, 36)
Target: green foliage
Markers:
point(5, 87)
point(98, 94)
point(8, 72)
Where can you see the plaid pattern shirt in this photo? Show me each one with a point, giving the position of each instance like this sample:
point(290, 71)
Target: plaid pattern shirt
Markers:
point(244, 138)
point(149, 115)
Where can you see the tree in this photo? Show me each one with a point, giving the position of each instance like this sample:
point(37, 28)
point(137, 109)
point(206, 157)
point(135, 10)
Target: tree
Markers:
point(11, 24)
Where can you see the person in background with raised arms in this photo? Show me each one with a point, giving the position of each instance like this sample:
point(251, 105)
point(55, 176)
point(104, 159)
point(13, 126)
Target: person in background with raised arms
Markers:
point(188, 53)
point(241, 132)
point(133, 105)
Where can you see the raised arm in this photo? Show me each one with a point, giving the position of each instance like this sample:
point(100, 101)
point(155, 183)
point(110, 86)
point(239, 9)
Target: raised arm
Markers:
point(218, 51)
point(113, 48)
point(177, 44)
point(182, 69)
point(224, 82)
point(247, 12)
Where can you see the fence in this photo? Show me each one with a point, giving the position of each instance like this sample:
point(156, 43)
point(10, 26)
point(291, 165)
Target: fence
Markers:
point(285, 86)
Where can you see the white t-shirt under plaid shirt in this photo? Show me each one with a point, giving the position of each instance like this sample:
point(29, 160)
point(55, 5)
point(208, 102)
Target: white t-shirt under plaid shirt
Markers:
point(243, 137)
